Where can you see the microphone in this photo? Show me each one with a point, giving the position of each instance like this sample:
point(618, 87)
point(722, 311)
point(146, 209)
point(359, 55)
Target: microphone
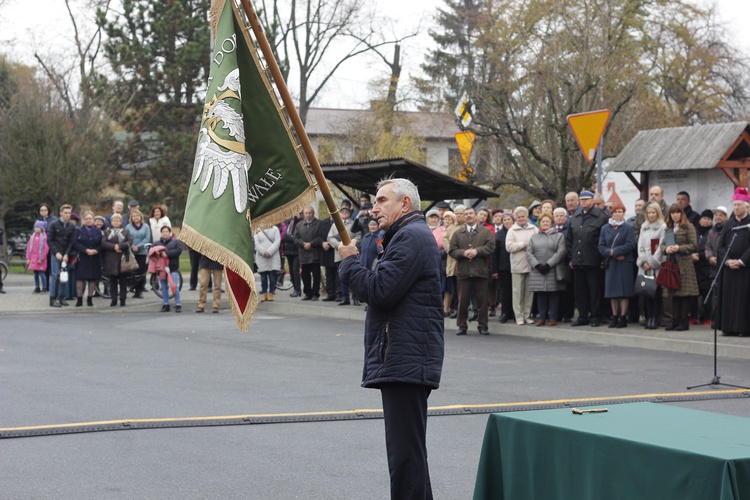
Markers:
point(740, 228)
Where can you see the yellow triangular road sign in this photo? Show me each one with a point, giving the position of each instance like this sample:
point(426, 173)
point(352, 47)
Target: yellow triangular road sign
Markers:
point(588, 129)
point(465, 141)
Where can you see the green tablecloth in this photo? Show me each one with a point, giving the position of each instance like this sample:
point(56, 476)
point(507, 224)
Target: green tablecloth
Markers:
point(637, 451)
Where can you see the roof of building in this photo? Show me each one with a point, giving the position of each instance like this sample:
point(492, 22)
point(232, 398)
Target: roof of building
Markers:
point(433, 186)
point(699, 147)
point(328, 121)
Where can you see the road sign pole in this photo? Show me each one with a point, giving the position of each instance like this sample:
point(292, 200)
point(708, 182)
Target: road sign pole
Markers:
point(599, 167)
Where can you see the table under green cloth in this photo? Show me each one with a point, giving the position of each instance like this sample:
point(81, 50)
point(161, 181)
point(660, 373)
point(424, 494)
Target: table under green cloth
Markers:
point(639, 451)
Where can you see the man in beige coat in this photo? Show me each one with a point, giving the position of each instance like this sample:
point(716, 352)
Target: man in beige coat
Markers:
point(471, 245)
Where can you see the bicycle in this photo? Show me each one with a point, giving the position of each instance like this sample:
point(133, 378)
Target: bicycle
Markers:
point(102, 286)
point(3, 270)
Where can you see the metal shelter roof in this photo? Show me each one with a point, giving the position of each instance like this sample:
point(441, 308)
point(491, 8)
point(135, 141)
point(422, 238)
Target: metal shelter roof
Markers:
point(433, 186)
point(698, 147)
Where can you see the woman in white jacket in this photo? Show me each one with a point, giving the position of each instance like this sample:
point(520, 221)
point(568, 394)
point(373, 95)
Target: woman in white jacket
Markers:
point(650, 259)
point(516, 243)
point(268, 260)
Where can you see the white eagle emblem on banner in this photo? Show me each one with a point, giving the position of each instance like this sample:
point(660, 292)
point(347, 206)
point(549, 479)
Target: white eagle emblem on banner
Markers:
point(211, 158)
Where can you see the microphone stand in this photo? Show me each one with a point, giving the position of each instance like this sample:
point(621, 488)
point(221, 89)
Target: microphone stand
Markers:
point(716, 380)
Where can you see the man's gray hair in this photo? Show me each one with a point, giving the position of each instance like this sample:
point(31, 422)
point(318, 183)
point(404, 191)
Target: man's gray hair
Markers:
point(559, 210)
point(459, 207)
point(521, 209)
point(404, 187)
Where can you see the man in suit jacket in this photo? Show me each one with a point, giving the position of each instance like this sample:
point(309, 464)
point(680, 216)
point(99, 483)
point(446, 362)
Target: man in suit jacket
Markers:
point(471, 246)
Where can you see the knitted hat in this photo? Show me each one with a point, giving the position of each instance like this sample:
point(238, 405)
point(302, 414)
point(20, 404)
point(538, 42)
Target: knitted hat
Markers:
point(41, 224)
point(721, 209)
point(432, 212)
point(741, 194)
point(707, 213)
point(534, 204)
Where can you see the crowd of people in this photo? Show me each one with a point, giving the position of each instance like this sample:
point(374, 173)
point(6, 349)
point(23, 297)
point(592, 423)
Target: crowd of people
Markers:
point(69, 253)
point(534, 265)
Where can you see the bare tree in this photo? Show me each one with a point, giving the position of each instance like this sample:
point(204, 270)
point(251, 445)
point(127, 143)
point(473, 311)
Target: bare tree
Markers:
point(321, 35)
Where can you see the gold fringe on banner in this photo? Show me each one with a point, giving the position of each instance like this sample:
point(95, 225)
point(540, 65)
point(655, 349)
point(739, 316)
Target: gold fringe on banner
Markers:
point(215, 251)
point(214, 13)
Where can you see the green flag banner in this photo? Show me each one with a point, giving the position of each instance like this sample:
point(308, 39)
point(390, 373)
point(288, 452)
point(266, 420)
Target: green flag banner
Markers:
point(248, 173)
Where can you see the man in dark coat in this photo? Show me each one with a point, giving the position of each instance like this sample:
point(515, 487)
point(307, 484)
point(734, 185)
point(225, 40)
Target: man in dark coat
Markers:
point(582, 244)
point(403, 330)
point(309, 241)
point(60, 240)
point(291, 252)
point(733, 311)
point(328, 261)
point(472, 245)
point(683, 201)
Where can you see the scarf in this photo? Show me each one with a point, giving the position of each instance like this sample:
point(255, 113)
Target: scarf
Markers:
point(616, 223)
point(116, 235)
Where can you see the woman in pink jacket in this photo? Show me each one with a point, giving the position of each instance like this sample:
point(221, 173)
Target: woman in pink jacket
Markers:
point(36, 255)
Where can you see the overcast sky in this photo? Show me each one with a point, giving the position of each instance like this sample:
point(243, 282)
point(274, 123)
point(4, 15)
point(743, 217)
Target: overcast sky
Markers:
point(47, 30)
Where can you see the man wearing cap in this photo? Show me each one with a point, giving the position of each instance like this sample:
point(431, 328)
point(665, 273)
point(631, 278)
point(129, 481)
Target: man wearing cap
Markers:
point(442, 207)
point(712, 242)
point(334, 240)
point(582, 242)
point(734, 244)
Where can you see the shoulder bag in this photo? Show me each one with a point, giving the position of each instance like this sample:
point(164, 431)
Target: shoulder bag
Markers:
point(669, 274)
point(128, 263)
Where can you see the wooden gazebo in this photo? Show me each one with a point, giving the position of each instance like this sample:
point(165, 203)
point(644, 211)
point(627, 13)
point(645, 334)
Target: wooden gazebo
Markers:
point(724, 146)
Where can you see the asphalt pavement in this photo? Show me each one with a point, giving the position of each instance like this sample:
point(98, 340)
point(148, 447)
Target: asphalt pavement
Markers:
point(134, 366)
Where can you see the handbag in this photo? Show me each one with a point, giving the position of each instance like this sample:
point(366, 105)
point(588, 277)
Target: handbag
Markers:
point(645, 285)
point(669, 274)
point(605, 262)
point(128, 263)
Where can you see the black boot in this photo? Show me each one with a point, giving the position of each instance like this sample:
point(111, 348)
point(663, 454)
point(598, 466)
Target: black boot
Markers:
point(672, 325)
point(90, 301)
point(622, 322)
point(63, 301)
point(113, 302)
point(79, 301)
point(122, 302)
point(613, 321)
point(53, 302)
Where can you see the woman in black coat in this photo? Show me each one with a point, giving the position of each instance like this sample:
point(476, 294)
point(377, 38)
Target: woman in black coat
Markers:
point(87, 241)
point(116, 240)
point(500, 268)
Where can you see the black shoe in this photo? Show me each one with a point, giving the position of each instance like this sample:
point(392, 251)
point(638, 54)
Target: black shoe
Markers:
point(295, 294)
point(165, 308)
point(484, 331)
point(462, 331)
point(315, 298)
point(682, 326)
point(492, 312)
point(53, 302)
point(329, 298)
point(344, 303)
point(191, 289)
point(178, 309)
point(138, 295)
point(63, 301)
point(503, 318)
point(307, 297)
point(622, 322)
point(357, 302)
point(580, 322)
point(36, 290)
point(90, 301)
point(672, 326)
point(113, 303)
point(613, 321)
point(474, 317)
point(122, 302)
point(79, 301)
point(453, 314)
point(594, 323)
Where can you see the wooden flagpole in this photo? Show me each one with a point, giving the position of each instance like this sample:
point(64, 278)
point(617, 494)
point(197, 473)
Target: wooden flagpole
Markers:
point(286, 98)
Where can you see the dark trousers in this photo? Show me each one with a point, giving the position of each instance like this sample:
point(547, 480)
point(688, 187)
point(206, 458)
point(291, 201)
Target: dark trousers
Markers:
point(195, 261)
point(118, 287)
point(549, 305)
point(294, 272)
point(405, 414)
point(567, 302)
point(466, 288)
point(142, 269)
point(332, 277)
point(588, 286)
point(506, 293)
point(311, 272)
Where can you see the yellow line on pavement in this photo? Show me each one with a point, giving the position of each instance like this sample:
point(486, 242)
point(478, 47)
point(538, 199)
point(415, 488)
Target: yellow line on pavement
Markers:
point(374, 411)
